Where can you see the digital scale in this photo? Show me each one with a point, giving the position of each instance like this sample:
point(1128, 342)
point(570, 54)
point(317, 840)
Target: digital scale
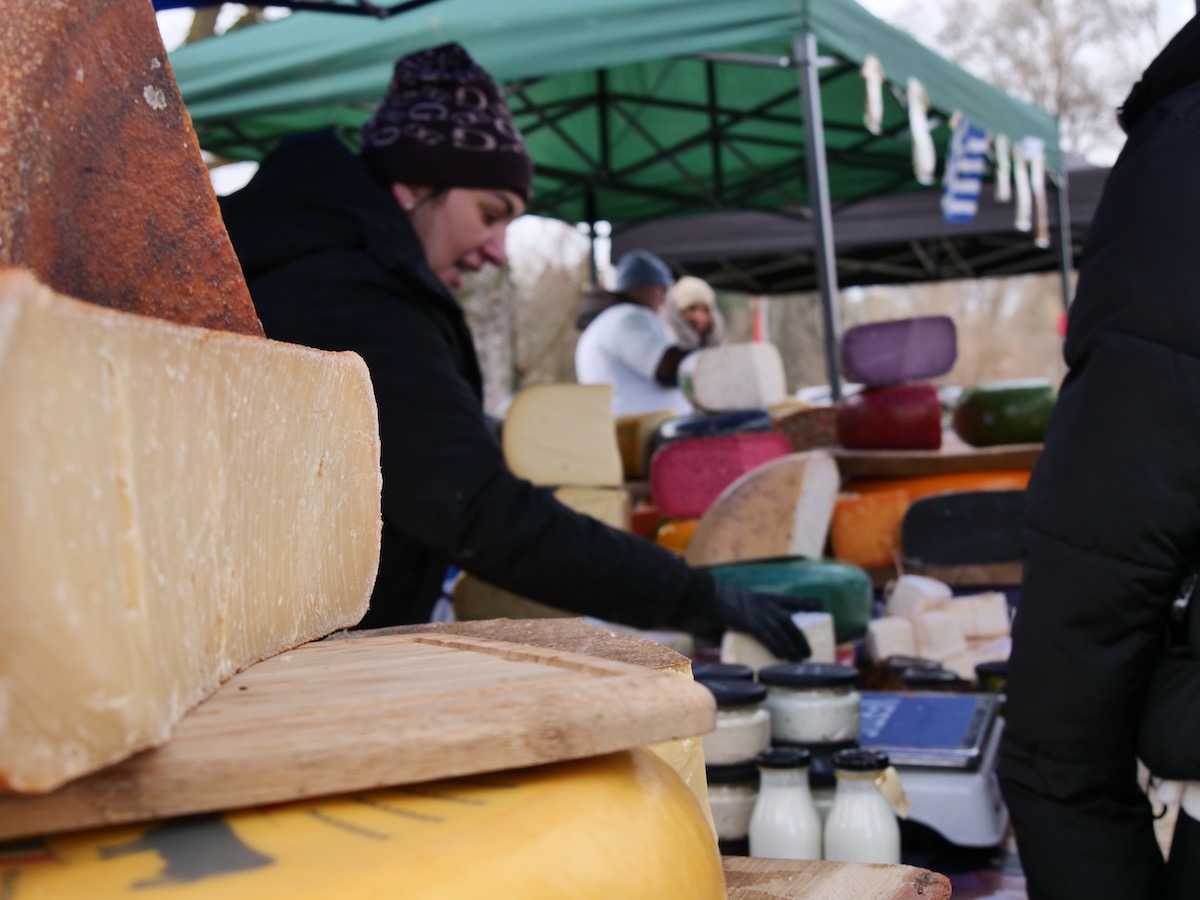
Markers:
point(944, 747)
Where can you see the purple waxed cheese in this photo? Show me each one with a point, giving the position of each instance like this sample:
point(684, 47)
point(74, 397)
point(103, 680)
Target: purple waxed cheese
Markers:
point(896, 350)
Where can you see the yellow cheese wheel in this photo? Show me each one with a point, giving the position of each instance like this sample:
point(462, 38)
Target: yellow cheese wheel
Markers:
point(621, 825)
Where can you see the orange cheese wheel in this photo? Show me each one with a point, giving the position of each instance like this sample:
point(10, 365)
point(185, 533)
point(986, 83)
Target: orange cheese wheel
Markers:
point(924, 485)
point(676, 534)
point(865, 529)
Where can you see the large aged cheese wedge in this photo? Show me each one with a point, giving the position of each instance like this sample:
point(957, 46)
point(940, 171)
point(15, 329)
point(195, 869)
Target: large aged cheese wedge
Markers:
point(781, 508)
point(103, 193)
point(615, 826)
point(175, 503)
point(734, 376)
point(561, 435)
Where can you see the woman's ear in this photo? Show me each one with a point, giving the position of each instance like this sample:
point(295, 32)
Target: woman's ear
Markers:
point(409, 196)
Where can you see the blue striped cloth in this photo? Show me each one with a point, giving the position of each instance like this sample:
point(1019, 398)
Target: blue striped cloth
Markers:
point(964, 172)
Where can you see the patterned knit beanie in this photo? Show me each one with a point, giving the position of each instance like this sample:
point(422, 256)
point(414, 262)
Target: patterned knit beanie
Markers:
point(443, 123)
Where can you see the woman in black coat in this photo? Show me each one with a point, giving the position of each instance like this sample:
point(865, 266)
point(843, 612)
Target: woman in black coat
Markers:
point(359, 251)
point(1113, 531)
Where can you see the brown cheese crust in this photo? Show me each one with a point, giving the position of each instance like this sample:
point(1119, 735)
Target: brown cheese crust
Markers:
point(103, 192)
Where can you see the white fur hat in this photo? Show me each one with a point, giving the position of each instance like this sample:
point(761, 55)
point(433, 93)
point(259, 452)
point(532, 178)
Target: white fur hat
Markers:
point(689, 290)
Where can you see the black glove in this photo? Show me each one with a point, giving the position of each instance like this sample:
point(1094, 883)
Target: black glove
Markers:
point(766, 617)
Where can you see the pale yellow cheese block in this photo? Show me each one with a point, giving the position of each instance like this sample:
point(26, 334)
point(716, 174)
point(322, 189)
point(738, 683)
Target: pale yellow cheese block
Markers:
point(614, 827)
point(559, 435)
point(473, 599)
point(635, 434)
point(734, 376)
point(981, 615)
point(175, 504)
point(609, 505)
point(780, 508)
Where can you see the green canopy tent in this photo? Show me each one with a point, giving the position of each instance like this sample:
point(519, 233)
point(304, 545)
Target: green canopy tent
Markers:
point(632, 109)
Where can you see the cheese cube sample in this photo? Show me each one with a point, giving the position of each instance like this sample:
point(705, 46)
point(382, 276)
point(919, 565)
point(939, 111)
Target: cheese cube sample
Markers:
point(608, 505)
point(739, 647)
point(782, 508)
point(891, 636)
point(981, 615)
point(938, 636)
point(913, 594)
point(563, 435)
point(734, 376)
point(175, 504)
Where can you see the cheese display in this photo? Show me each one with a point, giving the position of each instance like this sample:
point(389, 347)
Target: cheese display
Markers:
point(608, 505)
point(747, 375)
point(560, 435)
point(845, 590)
point(780, 509)
point(899, 417)
point(635, 439)
point(687, 476)
point(896, 350)
point(1004, 412)
point(103, 192)
point(807, 429)
point(865, 529)
point(545, 832)
point(740, 648)
point(175, 504)
point(964, 528)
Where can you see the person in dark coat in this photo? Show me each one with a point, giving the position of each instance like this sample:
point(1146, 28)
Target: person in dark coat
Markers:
point(1113, 531)
point(359, 251)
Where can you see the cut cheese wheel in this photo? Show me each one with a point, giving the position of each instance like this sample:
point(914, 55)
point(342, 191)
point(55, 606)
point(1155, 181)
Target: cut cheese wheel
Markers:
point(913, 594)
point(900, 417)
point(687, 476)
point(734, 376)
point(866, 528)
point(780, 509)
point(175, 504)
point(964, 528)
point(635, 440)
point(559, 435)
point(896, 350)
point(103, 193)
point(843, 589)
point(608, 505)
point(807, 429)
point(546, 832)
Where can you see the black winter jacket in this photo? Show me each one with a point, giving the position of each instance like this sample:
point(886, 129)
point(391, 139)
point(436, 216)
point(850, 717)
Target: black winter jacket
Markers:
point(333, 263)
point(1113, 515)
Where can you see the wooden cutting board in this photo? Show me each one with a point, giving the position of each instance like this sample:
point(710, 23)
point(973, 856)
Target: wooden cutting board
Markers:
point(954, 456)
point(747, 878)
point(347, 715)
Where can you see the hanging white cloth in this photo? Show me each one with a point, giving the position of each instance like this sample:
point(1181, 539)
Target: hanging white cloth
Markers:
point(924, 155)
point(1023, 220)
point(1035, 153)
point(872, 73)
point(1003, 153)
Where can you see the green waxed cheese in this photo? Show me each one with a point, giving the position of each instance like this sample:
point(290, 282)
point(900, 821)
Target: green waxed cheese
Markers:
point(845, 589)
point(1004, 412)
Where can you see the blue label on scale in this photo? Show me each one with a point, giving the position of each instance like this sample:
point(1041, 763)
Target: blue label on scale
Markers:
point(933, 721)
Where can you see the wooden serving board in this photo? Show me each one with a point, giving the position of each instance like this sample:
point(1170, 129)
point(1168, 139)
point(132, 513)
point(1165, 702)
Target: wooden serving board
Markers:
point(748, 878)
point(337, 716)
point(954, 456)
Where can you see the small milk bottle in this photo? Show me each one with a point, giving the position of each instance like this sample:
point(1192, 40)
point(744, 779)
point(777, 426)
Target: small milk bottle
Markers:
point(862, 826)
point(784, 824)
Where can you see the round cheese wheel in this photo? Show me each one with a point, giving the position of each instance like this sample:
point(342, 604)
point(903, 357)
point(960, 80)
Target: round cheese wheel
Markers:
point(622, 825)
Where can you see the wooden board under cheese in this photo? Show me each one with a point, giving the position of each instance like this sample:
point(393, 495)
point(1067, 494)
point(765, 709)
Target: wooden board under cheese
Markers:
point(898, 417)
point(687, 476)
point(896, 350)
point(780, 509)
point(560, 435)
point(175, 504)
point(748, 375)
point(103, 193)
point(360, 713)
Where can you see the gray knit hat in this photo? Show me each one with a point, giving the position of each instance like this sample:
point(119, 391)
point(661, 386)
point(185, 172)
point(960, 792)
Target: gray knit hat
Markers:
point(639, 268)
point(443, 123)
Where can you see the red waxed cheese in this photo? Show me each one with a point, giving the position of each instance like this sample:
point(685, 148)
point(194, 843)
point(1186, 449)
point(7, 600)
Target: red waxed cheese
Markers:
point(687, 476)
point(899, 417)
point(896, 350)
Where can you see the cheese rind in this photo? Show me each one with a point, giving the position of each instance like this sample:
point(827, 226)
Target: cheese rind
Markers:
point(559, 435)
point(175, 504)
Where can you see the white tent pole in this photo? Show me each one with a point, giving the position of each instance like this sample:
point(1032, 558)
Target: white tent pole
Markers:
point(818, 198)
point(1065, 255)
